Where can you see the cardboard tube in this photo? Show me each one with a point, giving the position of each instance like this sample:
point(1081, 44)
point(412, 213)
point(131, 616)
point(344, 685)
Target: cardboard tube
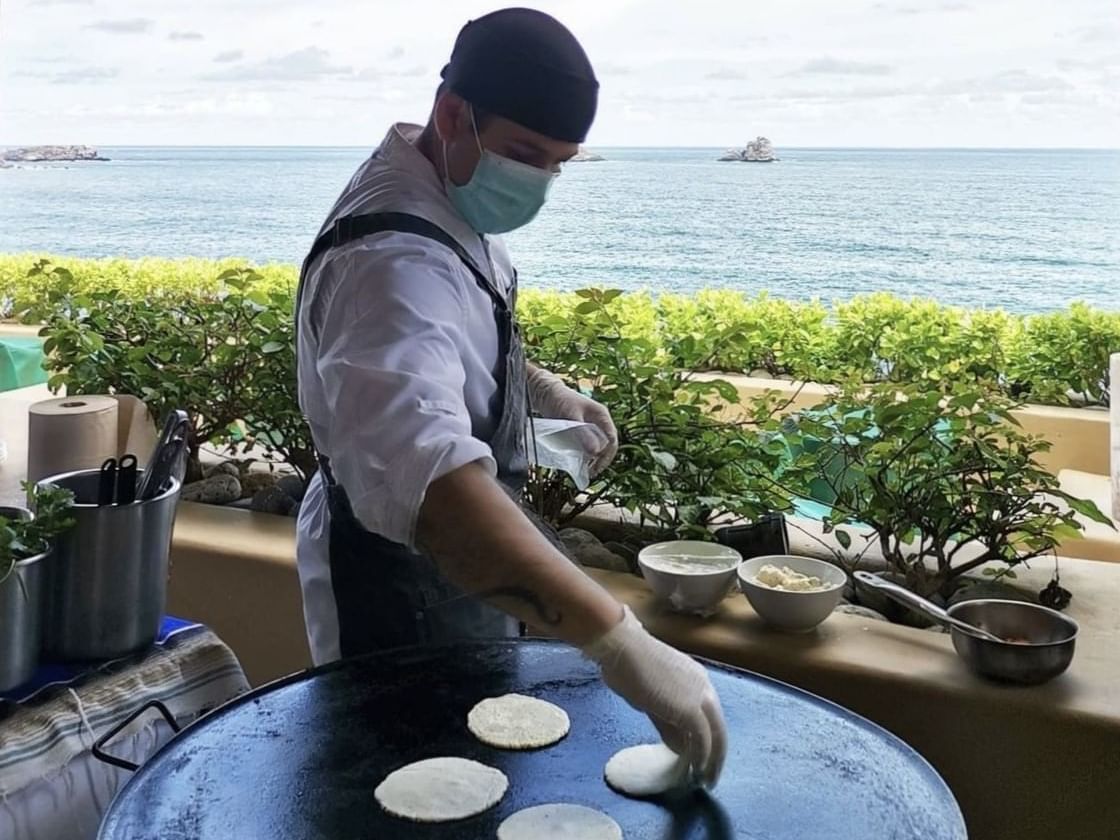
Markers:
point(70, 433)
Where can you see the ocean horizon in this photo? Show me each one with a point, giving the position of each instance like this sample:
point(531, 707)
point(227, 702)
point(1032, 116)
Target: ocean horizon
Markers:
point(1024, 229)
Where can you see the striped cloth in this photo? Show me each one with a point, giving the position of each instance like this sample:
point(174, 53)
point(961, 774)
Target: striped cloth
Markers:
point(46, 736)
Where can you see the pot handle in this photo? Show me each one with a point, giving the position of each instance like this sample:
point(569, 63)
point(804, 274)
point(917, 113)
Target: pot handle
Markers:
point(98, 749)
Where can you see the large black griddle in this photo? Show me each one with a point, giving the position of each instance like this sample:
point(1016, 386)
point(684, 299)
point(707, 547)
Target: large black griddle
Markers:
point(299, 759)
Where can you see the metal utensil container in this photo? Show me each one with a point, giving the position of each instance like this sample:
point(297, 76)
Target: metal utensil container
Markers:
point(21, 613)
point(107, 587)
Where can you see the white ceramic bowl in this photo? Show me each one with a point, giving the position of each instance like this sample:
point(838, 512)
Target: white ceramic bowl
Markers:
point(698, 575)
point(796, 612)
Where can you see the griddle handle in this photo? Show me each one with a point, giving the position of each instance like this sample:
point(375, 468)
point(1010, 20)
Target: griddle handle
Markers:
point(98, 749)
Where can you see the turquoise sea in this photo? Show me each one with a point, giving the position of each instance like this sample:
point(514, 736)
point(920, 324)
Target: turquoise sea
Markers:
point(1026, 230)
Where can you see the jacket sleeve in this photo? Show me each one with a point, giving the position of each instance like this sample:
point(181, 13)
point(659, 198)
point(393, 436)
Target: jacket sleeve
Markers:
point(391, 329)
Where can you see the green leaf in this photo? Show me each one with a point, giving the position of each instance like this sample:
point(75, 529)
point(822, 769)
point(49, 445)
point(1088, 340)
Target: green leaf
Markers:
point(844, 538)
point(272, 347)
point(587, 307)
point(1086, 508)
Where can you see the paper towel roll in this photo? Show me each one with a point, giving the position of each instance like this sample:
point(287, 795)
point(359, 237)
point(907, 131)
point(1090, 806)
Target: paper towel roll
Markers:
point(70, 433)
point(1114, 402)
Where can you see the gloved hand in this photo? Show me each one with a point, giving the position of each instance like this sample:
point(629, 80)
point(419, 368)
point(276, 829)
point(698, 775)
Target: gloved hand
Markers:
point(671, 688)
point(549, 396)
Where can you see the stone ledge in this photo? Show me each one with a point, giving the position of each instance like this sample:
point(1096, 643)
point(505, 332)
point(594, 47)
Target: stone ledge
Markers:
point(235, 571)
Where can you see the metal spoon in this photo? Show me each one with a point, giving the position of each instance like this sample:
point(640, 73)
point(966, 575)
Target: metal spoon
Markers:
point(920, 604)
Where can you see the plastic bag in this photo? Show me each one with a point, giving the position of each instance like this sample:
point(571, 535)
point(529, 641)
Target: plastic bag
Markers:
point(567, 445)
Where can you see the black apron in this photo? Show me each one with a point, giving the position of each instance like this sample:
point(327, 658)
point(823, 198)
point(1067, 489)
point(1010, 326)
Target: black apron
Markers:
point(387, 596)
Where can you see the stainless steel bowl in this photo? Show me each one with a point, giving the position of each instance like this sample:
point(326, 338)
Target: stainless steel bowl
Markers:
point(1047, 637)
point(1043, 639)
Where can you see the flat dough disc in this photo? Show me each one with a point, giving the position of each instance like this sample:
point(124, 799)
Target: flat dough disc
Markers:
point(441, 790)
point(646, 770)
point(559, 822)
point(517, 722)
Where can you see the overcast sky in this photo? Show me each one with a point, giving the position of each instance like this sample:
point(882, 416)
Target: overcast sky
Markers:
point(673, 72)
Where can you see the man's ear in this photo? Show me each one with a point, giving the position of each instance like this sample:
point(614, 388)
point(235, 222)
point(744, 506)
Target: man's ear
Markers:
point(452, 115)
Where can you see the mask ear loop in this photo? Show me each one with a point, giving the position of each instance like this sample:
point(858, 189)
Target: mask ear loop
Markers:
point(443, 144)
point(474, 127)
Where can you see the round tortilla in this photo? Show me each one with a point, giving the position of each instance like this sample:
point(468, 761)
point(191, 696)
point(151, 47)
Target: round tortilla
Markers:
point(646, 770)
point(559, 822)
point(517, 722)
point(441, 790)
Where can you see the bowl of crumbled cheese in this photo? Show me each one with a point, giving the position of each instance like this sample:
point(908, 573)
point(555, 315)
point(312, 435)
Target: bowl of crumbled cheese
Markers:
point(688, 575)
point(791, 593)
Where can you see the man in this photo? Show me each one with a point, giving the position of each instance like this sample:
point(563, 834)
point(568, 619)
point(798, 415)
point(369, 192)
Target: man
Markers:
point(413, 378)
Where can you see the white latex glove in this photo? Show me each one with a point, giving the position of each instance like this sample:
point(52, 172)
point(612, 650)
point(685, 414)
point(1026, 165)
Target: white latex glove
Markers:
point(550, 397)
point(671, 688)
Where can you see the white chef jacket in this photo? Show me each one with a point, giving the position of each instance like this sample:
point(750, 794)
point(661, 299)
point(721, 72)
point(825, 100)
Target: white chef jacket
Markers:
point(398, 350)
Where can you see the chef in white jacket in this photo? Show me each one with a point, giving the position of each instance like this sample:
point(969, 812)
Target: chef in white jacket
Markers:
point(414, 381)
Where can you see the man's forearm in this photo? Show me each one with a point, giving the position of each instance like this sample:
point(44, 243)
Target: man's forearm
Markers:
point(486, 546)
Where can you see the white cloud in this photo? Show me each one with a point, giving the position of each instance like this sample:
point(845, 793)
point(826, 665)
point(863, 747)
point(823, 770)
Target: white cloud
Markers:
point(728, 74)
point(1010, 81)
point(829, 66)
point(307, 64)
point(81, 75)
point(123, 27)
point(704, 72)
point(186, 36)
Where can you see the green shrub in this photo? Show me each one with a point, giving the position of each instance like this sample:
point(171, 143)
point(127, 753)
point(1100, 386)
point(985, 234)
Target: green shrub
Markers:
point(133, 279)
point(680, 465)
point(870, 338)
point(780, 337)
point(227, 358)
point(931, 475)
point(880, 337)
point(1061, 354)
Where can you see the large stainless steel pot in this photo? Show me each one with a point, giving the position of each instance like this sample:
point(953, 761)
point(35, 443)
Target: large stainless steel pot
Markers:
point(107, 590)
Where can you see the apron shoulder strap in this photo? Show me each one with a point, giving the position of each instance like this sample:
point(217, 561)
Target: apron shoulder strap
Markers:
point(349, 228)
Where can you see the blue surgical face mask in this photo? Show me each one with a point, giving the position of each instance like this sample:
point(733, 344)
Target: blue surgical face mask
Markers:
point(502, 194)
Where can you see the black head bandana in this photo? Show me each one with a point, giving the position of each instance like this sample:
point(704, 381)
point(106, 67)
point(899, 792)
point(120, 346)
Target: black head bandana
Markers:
point(526, 66)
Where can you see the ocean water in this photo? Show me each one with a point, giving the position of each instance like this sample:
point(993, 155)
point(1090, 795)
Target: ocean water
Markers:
point(1025, 230)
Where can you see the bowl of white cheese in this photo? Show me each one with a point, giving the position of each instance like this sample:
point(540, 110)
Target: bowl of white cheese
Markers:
point(689, 575)
point(791, 593)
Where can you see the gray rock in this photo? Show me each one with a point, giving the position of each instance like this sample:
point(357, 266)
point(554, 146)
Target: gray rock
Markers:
point(294, 486)
point(224, 468)
point(272, 500)
point(51, 154)
point(623, 550)
point(219, 489)
point(254, 482)
point(588, 551)
point(862, 612)
point(973, 590)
